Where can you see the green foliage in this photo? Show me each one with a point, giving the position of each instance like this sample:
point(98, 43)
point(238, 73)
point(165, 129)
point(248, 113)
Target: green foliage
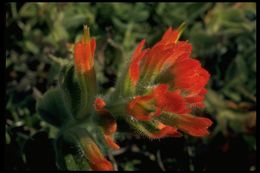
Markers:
point(69, 152)
point(54, 107)
point(72, 88)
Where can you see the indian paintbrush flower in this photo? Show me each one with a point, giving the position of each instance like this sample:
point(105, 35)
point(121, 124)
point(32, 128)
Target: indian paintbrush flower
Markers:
point(155, 95)
point(165, 83)
point(84, 51)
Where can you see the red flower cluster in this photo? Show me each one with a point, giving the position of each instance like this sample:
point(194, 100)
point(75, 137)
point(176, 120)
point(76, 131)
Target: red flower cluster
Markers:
point(173, 85)
point(163, 85)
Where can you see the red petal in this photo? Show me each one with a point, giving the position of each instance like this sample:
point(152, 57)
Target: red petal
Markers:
point(141, 107)
point(99, 104)
point(83, 55)
point(96, 159)
point(78, 55)
point(87, 53)
point(170, 36)
point(138, 49)
point(189, 75)
point(103, 165)
point(169, 101)
point(195, 126)
point(203, 91)
point(134, 68)
point(194, 99)
point(135, 61)
point(165, 131)
point(111, 126)
point(111, 142)
point(167, 33)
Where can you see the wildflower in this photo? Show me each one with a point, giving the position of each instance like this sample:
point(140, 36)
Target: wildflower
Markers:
point(84, 66)
point(168, 84)
point(155, 95)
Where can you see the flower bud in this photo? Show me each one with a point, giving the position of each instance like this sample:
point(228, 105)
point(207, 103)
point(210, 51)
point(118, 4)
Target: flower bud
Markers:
point(84, 52)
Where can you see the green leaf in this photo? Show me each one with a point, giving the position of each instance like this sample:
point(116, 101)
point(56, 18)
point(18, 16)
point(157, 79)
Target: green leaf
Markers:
point(69, 156)
point(54, 107)
point(71, 164)
point(60, 61)
point(28, 10)
point(72, 88)
point(30, 46)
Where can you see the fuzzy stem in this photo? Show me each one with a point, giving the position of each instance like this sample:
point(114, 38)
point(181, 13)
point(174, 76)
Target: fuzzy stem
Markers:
point(88, 86)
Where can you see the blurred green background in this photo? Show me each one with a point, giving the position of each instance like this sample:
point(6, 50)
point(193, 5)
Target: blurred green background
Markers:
point(223, 36)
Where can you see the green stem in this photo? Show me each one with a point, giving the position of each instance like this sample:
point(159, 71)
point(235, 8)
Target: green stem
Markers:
point(72, 136)
point(118, 109)
point(88, 87)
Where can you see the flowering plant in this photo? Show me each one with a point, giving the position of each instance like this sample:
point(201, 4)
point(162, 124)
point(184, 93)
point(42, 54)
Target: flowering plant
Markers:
point(154, 96)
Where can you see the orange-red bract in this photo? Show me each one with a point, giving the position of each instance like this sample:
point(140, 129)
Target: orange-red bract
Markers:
point(165, 131)
point(195, 126)
point(143, 107)
point(84, 52)
point(108, 123)
point(99, 104)
point(95, 158)
point(136, 58)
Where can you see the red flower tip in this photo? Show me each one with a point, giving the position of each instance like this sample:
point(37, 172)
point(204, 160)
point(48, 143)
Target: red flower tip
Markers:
point(171, 36)
point(95, 158)
point(110, 128)
point(84, 52)
point(165, 131)
point(195, 126)
point(135, 60)
point(99, 104)
point(103, 165)
point(138, 49)
point(111, 142)
point(106, 120)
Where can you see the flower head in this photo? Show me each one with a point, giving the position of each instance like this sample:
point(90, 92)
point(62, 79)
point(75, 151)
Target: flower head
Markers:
point(168, 82)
